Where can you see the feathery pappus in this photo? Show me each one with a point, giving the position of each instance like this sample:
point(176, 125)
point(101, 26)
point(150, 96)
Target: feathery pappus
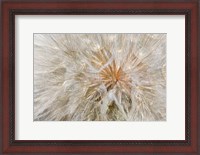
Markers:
point(99, 77)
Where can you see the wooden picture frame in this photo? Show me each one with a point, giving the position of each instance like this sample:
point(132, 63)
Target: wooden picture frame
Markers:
point(44, 7)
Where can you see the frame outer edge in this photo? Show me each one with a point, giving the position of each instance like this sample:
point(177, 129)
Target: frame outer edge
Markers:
point(5, 85)
point(194, 71)
point(5, 70)
point(1, 78)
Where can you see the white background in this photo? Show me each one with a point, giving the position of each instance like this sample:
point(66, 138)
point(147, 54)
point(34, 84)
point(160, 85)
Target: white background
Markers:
point(172, 129)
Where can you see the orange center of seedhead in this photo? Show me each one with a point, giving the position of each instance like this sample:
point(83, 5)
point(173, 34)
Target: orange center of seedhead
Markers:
point(111, 75)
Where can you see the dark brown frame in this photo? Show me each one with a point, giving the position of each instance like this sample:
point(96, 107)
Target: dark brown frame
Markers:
point(10, 8)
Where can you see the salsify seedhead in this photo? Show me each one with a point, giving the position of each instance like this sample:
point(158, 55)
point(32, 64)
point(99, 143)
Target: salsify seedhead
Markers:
point(99, 77)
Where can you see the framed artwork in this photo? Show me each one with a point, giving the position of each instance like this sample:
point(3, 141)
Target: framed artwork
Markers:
point(100, 77)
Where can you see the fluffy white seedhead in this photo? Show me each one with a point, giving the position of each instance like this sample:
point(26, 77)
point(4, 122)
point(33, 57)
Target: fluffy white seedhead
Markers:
point(99, 77)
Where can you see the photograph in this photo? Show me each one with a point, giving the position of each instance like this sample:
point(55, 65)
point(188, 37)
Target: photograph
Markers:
point(99, 76)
